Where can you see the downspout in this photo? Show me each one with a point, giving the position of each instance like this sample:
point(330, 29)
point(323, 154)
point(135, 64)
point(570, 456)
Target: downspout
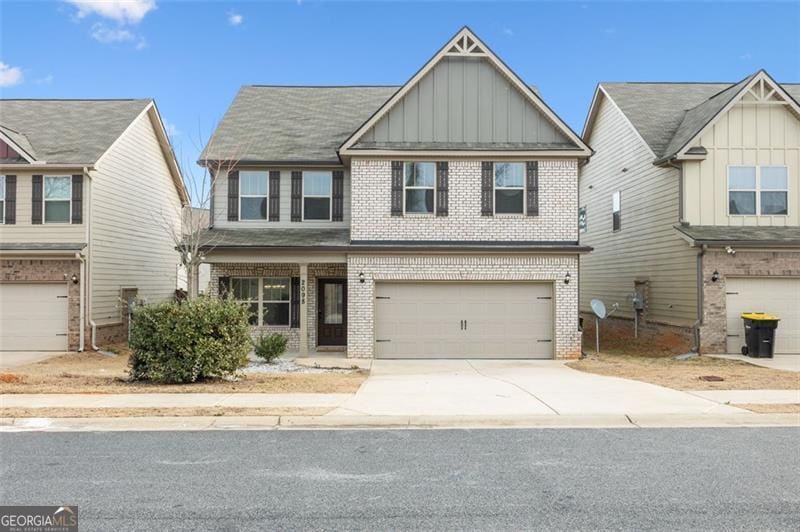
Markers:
point(88, 258)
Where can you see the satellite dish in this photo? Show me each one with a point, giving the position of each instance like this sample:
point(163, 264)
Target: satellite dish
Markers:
point(599, 308)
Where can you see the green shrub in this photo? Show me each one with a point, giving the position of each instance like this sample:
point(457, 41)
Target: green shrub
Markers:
point(269, 347)
point(180, 342)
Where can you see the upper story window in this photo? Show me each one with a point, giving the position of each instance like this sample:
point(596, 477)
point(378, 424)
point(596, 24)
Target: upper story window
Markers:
point(57, 199)
point(2, 199)
point(317, 187)
point(616, 211)
point(582, 221)
point(509, 188)
point(253, 187)
point(419, 183)
point(758, 190)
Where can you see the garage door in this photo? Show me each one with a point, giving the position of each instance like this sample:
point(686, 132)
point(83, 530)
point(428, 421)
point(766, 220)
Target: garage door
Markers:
point(464, 320)
point(33, 317)
point(779, 296)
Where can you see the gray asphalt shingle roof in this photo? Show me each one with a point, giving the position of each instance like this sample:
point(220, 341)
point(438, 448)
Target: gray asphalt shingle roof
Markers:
point(710, 234)
point(276, 237)
point(67, 131)
point(292, 124)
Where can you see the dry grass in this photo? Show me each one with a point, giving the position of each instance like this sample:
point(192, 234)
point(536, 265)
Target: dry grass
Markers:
point(95, 373)
point(687, 375)
point(790, 408)
point(159, 412)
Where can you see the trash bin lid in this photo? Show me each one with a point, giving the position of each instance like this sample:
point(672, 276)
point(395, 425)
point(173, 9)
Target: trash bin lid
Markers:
point(759, 316)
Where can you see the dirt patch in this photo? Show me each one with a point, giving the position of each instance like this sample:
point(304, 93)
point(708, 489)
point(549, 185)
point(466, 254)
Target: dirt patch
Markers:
point(95, 373)
point(159, 412)
point(791, 408)
point(699, 373)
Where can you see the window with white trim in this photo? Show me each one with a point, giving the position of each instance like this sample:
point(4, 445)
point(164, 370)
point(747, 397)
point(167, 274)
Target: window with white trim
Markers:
point(2, 199)
point(509, 188)
point(253, 187)
point(582, 221)
point(616, 211)
point(758, 190)
point(57, 199)
point(317, 187)
point(267, 298)
point(419, 184)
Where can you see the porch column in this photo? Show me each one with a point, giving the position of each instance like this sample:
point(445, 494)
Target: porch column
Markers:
point(303, 310)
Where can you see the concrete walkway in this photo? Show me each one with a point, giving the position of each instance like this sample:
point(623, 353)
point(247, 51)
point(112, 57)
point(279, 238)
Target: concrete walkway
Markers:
point(780, 362)
point(14, 359)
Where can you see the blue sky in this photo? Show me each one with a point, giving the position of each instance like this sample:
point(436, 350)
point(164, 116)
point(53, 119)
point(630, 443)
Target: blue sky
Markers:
point(193, 56)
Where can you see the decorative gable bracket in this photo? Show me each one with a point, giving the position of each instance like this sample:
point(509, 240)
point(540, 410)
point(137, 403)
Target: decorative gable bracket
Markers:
point(465, 45)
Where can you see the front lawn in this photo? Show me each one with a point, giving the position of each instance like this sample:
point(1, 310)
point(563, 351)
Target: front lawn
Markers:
point(91, 372)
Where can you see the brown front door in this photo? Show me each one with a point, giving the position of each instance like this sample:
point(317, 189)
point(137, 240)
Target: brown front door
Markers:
point(332, 312)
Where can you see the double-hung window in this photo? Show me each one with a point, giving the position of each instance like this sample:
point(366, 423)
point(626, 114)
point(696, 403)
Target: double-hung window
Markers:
point(616, 211)
point(758, 190)
point(582, 221)
point(253, 188)
point(419, 183)
point(317, 187)
point(509, 188)
point(57, 199)
point(245, 289)
point(2, 199)
point(267, 298)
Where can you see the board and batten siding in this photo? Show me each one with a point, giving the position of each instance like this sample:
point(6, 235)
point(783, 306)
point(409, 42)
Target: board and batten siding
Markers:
point(25, 231)
point(132, 194)
point(647, 246)
point(221, 204)
point(748, 134)
point(464, 100)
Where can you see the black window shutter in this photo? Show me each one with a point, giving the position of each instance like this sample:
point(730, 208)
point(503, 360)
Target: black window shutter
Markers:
point(397, 188)
point(224, 287)
point(297, 196)
point(11, 199)
point(36, 200)
point(533, 188)
point(77, 199)
point(487, 188)
point(441, 188)
point(295, 303)
point(274, 196)
point(233, 196)
point(337, 212)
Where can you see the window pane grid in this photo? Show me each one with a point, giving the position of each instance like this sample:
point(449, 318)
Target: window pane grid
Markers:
point(317, 190)
point(509, 188)
point(57, 199)
point(267, 298)
point(420, 184)
point(253, 187)
point(758, 190)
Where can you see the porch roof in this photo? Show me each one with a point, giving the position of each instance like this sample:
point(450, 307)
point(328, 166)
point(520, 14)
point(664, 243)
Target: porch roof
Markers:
point(276, 238)
point(750, 236)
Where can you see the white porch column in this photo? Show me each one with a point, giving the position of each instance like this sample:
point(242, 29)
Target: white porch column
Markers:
point(303, 310)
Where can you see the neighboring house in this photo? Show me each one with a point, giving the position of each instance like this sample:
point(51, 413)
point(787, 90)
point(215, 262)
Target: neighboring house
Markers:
point(692, 200)
point(87, 191)
point(432, 220)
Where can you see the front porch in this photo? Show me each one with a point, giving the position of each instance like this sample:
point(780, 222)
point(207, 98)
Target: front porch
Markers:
point(307, 302)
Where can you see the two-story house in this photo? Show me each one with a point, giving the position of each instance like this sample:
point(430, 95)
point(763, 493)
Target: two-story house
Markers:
point(432, 220)
point(692, 202)
point(89, 192)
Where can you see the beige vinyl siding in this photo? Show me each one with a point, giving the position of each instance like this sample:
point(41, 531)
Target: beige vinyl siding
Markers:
point(132, 190)
point(221, 205)
point(24, 231)
point(748, 134)
point(647, 246)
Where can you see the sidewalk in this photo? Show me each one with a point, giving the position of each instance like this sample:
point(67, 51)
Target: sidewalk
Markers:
point(174, 400)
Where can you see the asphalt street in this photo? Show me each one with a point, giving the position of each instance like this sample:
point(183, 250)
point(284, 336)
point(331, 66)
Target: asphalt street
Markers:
point(513, 479)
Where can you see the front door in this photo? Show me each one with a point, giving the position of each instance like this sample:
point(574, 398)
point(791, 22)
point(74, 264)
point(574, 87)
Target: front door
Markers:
point(332, 312)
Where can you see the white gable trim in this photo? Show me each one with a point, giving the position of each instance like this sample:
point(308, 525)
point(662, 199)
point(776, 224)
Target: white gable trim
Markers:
point(758, 78)
point(16, 147)
point(588, 126)
point(466, 43)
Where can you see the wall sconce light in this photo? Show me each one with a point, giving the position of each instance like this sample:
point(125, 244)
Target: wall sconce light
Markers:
point(361, 277)
point(715, 276)
point(74, 279)
point(567, 278)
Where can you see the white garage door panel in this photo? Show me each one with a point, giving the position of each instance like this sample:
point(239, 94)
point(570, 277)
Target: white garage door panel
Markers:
point(33, 317)
point(503, 320)
point(778, 296)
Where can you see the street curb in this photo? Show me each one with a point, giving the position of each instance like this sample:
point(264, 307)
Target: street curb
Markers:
point(392, 422)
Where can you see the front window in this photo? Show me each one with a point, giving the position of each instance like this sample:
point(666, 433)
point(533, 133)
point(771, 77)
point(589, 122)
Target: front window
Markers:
point(317, 195)
point(758, 190)
point(253, 188)
point(509, 188)
point(419, 183)
point(57, 194)
point(246, 291)
point(268, 298)
point(2, 199)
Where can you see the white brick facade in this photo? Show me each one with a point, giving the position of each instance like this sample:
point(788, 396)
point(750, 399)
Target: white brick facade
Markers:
point(552, 268)
point(372, 219)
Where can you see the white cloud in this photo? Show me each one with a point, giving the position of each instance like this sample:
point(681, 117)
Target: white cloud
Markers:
point(508, 32)
point(47, 80)
point(171, 129)
point(746, 56)
point(120, 34)
point(235, 19)
point(10, 76)
point(121, 11)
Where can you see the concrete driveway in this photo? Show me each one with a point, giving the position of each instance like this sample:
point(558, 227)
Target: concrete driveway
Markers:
point(14, 359)
point(507, 388)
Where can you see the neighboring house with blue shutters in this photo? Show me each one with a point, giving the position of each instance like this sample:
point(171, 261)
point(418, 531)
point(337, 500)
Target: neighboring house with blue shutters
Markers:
point(88, 189)
point(437, 219)
point(692, 201)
